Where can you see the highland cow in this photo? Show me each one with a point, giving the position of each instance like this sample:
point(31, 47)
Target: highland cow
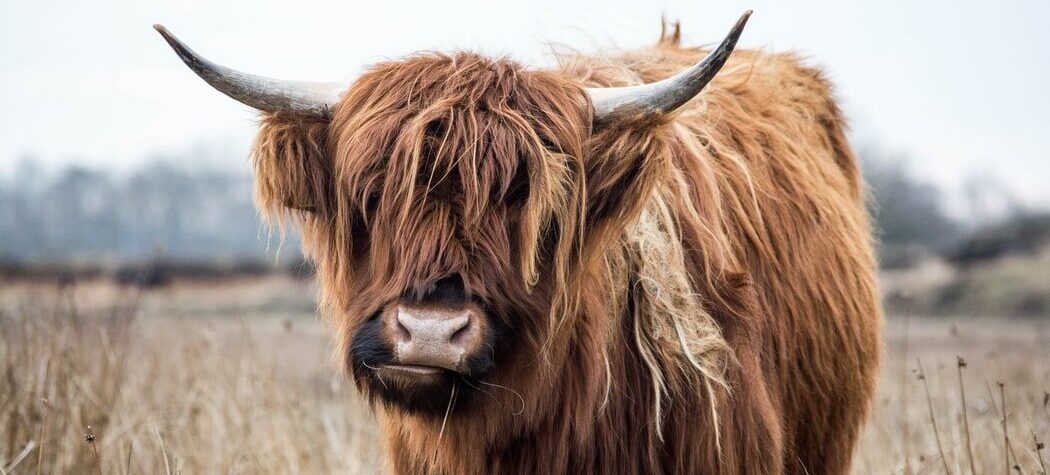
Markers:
point(593, 268)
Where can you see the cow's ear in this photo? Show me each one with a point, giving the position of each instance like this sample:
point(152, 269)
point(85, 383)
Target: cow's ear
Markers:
point(622, 167)
point(292, 165)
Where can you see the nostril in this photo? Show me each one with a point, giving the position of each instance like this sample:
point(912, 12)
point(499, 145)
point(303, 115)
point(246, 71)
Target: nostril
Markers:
point(401, 332)
point(460, 334)
point(431, 327)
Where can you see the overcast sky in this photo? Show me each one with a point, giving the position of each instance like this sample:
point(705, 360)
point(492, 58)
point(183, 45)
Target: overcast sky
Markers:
point(960, 86)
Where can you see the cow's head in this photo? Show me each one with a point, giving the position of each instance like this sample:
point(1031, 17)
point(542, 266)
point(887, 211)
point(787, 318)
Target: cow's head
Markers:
point(452, 205)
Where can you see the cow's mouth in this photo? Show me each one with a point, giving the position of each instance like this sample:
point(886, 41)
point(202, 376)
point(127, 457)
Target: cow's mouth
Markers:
point(413, 369)
point(411, 372)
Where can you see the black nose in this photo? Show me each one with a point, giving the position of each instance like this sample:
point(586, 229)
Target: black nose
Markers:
point(446, 291)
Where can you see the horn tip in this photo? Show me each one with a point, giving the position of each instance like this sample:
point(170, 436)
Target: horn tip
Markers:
point(738, 28)
point(170, 38)
point(173, 42)
point(743, 18)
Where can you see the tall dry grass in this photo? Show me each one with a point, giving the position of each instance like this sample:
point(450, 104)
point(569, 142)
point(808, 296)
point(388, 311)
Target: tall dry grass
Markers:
point(961, 396)
point(171, 394)
point(237, 378)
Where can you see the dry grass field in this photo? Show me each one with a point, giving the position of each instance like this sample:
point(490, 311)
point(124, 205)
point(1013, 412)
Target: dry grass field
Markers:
point(238, 378)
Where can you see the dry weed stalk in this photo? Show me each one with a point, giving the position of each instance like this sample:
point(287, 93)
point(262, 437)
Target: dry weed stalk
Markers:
point(89, 437)
point(960, 364)
point(933, 418)
point(1039, 453)
point(1006, 433)
point(43, 430)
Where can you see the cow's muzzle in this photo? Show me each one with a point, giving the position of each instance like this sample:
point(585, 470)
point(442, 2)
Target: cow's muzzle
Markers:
point(433, 338)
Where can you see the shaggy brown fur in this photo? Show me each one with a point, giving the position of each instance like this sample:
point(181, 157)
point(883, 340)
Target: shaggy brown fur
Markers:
point(694, 294)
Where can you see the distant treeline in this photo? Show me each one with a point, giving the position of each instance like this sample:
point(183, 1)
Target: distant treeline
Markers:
point(912, 221)
point(168, 211)
point(160, 211)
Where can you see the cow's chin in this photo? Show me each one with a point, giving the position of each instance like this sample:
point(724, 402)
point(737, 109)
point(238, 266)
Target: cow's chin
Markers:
point(420, 390)
point(423, 391)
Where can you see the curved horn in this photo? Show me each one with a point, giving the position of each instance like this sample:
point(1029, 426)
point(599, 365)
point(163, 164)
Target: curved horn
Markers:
point(661, 97)
point(313, 99)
